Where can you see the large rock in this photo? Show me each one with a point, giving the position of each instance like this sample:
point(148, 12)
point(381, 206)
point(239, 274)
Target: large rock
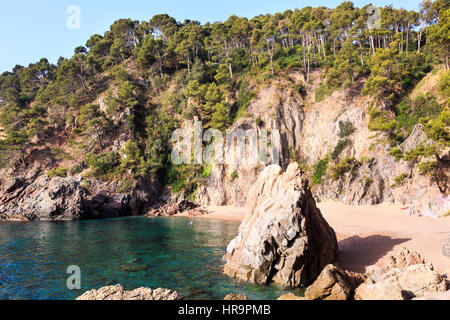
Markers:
point(43, 199)
point(118, 292)
point(334, 283)
point(284, 237)
point(406, 276)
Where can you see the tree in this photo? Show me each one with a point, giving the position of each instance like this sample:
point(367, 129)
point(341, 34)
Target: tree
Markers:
point(439, 35)
point(152, 50)
point(94, 122)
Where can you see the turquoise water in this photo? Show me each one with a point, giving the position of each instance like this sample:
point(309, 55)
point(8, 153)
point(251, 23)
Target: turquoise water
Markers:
point(135, 252)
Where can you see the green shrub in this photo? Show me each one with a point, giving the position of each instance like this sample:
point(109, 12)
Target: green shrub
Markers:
point(125, 186)
point(410, 112)
point(344, 166)
point(444, 84)
point(419, 152)
point(319, 171)
point(397, 153)
point(346, 129)
point(103, 166)
point(399, 180)
point(323, 91)
point(207, 171)
point(234, 175)
point(427, 167)
point(76, 169)
point(259, 122)
point(58, 172)
point(342, 144)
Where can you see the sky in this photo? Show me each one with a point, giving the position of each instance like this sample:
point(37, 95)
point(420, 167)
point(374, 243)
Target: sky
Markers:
point(30, 29)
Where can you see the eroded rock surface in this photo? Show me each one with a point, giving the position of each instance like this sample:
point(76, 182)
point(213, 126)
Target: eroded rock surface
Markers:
point(42, 199)
point(284, 237)
point(406, 276)
point(310, 131)
point(29, 194)
point(118, 292)
point(334, 283)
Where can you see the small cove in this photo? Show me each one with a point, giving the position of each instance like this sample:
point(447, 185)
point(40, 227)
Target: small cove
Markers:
point(133, 251)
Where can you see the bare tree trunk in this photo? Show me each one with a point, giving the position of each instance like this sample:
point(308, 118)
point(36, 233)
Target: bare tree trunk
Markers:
point(361, 50)
point(419, 40)
point(83, 84)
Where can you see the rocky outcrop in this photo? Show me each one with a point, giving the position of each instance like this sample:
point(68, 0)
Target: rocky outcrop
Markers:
point(118, 292)
point(334, 283)
point(406, 276)
point(32, 195)
point(284, 237)
point(170, 209)
point(43, 199)
point(235, 297)
point(108, 203)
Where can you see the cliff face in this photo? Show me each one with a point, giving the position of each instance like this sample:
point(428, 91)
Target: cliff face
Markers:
point(311, 131)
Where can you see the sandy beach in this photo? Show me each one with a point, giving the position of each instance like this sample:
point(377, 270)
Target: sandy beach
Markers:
point(369, 234)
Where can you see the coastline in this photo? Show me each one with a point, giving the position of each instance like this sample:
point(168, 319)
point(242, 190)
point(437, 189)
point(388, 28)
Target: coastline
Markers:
point(368, 235)
point(225, 213)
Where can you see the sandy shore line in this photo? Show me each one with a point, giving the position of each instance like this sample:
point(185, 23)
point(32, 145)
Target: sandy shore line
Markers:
point(228, 213)
point(368, 235)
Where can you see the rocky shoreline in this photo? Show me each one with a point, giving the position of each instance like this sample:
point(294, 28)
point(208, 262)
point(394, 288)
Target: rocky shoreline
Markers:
point(285, 239)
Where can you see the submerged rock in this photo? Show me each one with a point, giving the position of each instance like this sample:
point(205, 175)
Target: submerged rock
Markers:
point(284, 237)
point(118, 292)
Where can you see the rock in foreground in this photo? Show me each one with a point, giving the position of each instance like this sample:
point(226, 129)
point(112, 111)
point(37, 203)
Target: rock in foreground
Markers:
point(284, 237)
point(334, 283)
point(406, 276)
point(118, 292)
point(236, 297)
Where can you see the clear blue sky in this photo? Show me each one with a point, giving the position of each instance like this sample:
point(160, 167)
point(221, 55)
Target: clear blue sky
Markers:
point(31, 29)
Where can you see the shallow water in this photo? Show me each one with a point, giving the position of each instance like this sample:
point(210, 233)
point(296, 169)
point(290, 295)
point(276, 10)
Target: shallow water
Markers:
point(135, 252)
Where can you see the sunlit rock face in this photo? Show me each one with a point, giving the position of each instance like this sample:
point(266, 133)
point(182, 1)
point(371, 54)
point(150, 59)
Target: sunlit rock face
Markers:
point(284, 237)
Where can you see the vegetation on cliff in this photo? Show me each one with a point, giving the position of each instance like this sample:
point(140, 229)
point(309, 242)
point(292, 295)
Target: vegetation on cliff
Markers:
point(140, 80)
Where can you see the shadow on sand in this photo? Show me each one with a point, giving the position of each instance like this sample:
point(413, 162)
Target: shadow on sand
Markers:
point(356, 253)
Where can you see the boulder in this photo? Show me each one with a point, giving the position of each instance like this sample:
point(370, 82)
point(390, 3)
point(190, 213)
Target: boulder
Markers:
point(284, 237)
point(290, 297)
point(236, 297)
point(334, 283)
point(382, 290)
point(405, 276)
point(118, 292)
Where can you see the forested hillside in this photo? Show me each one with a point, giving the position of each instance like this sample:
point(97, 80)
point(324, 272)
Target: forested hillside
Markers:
point(107, 112)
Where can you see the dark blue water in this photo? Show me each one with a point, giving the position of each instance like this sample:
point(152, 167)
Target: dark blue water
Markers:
point(135, 252)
